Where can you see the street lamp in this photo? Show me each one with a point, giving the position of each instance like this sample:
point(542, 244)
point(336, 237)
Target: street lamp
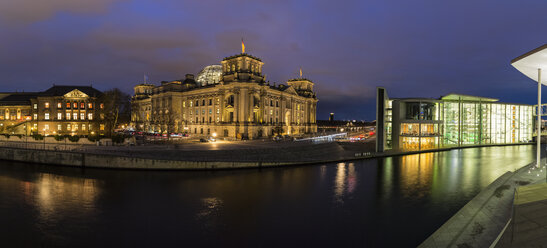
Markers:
point(531, 64)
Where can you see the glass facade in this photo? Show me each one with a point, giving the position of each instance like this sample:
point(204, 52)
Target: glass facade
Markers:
point(468, 123)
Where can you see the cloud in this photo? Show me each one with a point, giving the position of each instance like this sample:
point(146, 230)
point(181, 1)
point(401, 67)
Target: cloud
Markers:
point(30, 11)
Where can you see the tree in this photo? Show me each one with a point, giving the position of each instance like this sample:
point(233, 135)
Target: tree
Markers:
point(117, 109)
point(278, 130)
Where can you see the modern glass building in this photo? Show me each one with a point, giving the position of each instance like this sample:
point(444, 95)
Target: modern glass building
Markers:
point(413, 124)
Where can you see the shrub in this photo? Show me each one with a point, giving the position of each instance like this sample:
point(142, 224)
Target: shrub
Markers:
point(6, 135)
point(20, 136)
point(59, 137)
point(38, 137)
point(74, 138)
point(118, 138)
point(93, 138)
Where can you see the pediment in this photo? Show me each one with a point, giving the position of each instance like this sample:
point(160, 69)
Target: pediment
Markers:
point(76, 94)
point(290, 90)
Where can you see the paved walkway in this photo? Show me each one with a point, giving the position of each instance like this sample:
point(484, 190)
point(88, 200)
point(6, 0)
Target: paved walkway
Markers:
point(479, 222)
point(528, 227)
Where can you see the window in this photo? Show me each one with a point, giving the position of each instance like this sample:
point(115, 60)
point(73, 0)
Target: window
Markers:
point(46, 116)
point(35, 126)
point(35, 116)
point(82, 116)
point(46, 104)
point(191, 103)
point(184, 104)
point(75, 127)
point(197, 103)
point(83, 127)
point(68, 115)
point(35, 106)
point(102, 106)
point(67, 105)
point(101, 127)
point(90, 116)
point(46, 127)
point(210, 119)
point(277, 103)
point(75, 116)
point(68, 127)
point(203, 102)
point(271, 103)
point(59, 116)
point(196, 120)
point(210, 101)
point(75, 105)
point(203, 111)
point(197, 111)
point(218, 111)
point(89, 105)
point(59, 127)
point(59, 105)
point(210, 111)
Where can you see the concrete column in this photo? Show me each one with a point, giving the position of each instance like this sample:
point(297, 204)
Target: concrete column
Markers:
point(538, 137)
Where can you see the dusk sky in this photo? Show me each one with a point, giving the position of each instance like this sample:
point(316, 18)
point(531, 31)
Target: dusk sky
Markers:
point(420, 48)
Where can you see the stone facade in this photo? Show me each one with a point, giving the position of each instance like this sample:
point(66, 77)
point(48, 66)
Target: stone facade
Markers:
point(64, 110)
point(241, 105)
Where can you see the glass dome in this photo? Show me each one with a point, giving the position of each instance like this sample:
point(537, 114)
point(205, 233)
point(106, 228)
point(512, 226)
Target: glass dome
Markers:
point(209, 75)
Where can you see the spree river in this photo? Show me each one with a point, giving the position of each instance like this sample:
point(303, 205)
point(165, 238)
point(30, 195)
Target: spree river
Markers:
point(386, 202)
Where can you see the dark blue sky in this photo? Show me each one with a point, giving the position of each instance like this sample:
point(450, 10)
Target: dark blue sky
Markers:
point(421, 48)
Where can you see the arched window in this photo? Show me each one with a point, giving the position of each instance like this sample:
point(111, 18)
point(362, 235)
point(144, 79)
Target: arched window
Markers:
point(231, 100)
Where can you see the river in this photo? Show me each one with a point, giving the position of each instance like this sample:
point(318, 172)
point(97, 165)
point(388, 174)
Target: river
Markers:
point(384, 202)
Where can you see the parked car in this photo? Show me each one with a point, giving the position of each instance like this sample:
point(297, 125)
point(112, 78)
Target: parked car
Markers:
point(203, 140)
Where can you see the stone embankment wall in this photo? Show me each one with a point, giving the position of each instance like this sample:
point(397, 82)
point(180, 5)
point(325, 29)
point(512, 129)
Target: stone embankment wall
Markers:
point(303, 155)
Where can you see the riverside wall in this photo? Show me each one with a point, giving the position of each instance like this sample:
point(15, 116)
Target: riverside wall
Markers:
point(79, 159)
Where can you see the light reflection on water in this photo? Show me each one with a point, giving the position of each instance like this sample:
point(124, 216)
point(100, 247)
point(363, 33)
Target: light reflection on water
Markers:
point(359, 203)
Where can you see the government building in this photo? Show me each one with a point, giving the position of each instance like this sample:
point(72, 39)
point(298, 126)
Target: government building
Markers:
point(228, 100)
point(60, 110)
point(413, 124)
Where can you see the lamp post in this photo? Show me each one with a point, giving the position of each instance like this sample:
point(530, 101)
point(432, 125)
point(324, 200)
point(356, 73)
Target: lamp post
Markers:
point(531, 64)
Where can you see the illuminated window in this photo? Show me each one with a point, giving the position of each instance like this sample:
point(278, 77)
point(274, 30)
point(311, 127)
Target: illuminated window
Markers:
point(191, 103)
point(59, 127)
point(102, 106)
point(59, 116)
point(46, 127)
point(184, 104)
point(75, 116)
point(59, 105)
point(35, 126)
point(67, 105)
point(46, 116)
point(90, 116)
point(89, 105)
point(75, 105)
point(68, 115)
point(82, 105)
point(35, 106)
point(68, 127)
point(83, 127)
point(218, 111)
point(35, 116)
point(210, 111)
point(46, 104)
point(82, 116)
point(75, 127)
point(101, 127)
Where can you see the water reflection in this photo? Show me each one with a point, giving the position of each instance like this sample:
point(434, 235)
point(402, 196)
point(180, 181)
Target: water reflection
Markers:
point(361, 203)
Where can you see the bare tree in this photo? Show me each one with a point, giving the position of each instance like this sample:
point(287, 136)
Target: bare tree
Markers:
point(117, 108)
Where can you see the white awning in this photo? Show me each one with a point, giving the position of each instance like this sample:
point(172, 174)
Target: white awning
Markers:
point(529, 63)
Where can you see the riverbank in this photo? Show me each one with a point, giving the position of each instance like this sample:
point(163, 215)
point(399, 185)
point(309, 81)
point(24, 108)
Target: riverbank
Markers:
point(201, 156)
point(480, 222)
